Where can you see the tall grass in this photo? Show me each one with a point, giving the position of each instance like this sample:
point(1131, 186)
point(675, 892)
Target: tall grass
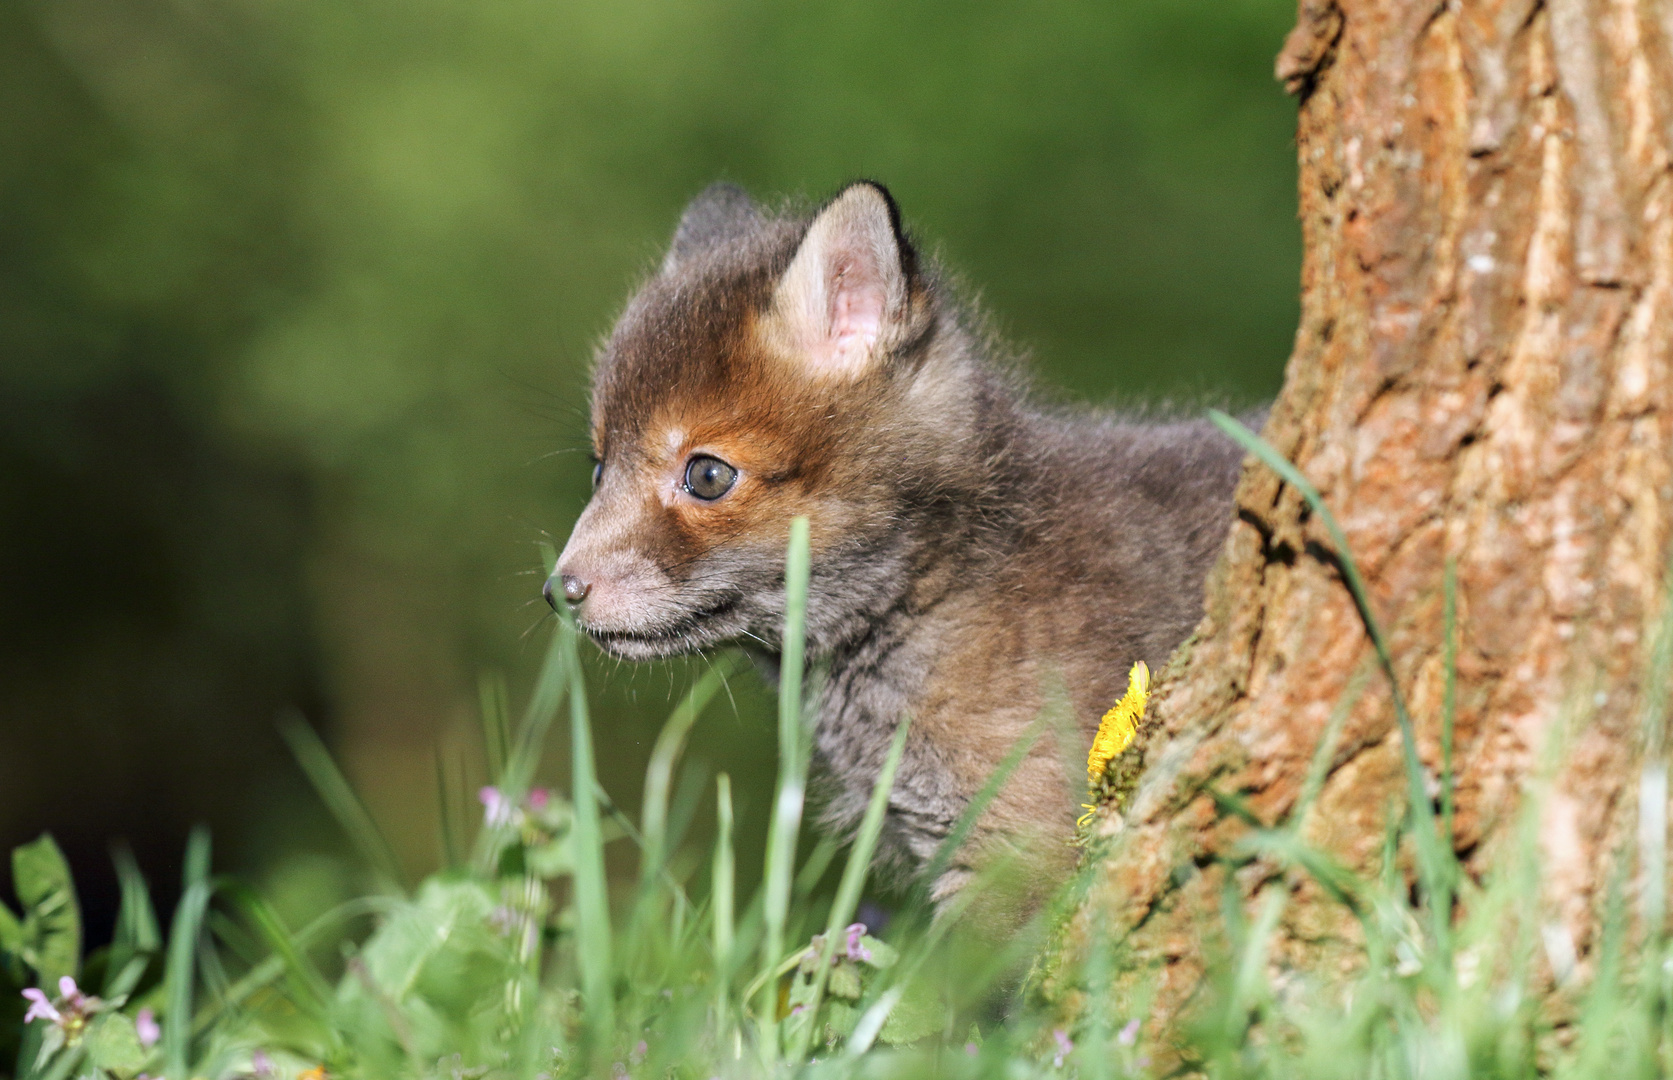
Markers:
point(518, 962)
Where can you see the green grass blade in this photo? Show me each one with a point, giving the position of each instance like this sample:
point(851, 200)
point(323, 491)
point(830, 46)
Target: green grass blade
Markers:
point(854, 877)
point(1094, 1052)
point(312, 990)
point(813, 868)
point(136, 919)
point(1434, 863)
point(1325, 752)
point(341, 800)
point(1653, 781)
point(875, 1010)
point(1449, 696)
point(871, 1022)
point(1249, 977)
point(445, 827)
point(329, 925)
point(182, 954)
point(690, 786)
point(722, 891)
point(979, 803)
point(549, 687)
point(496, 724)
point(1658, 688)
point(659, 773)
point(137, 937)
point(592, 902)
point(64, 1064)
point(792, 781)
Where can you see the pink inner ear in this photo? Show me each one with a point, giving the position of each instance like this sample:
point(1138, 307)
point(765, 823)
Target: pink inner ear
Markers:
point(856, 311)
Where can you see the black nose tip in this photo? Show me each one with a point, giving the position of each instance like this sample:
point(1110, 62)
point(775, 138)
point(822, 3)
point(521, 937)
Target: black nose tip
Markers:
point(574, 589)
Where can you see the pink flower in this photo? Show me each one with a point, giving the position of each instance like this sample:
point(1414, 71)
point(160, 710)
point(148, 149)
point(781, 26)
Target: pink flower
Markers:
point(502, 918)
point(261, 1064)
point(1065, 1046)
point(70, 1011)
point(856, 948)
point(145, 1024)
point(640, 1049)
point(538, 798)
point(497, 809)
point(40, 1008)
point(1129, 1033)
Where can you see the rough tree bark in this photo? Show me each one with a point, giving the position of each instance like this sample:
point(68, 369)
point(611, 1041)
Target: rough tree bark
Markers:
point(1482, 372)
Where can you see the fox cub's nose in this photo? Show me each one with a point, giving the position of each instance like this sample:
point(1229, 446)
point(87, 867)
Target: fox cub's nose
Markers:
point(574, 589)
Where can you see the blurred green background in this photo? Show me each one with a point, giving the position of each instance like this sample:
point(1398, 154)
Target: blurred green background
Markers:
point(297, 299)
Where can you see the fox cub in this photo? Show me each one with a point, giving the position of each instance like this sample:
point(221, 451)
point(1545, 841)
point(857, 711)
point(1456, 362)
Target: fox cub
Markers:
point(973, 554)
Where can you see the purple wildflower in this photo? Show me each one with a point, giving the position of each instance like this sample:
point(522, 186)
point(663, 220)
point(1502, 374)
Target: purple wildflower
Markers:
point(497, 809)
point(640, 1049)
point(261, 1064)
point(538, 798)
point(1129, 1033)
point(856, 948)
point(1065, 1046)
point(145, 1025)
point(70, 1011)
point(40, 1008)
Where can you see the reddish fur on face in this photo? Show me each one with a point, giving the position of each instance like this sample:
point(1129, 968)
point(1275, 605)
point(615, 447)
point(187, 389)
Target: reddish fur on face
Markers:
point(970, 550)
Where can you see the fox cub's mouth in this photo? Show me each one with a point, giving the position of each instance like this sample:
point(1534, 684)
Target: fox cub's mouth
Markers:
point(687, 633)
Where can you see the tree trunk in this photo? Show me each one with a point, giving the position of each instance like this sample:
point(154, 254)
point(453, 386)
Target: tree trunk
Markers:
point(1482, 374)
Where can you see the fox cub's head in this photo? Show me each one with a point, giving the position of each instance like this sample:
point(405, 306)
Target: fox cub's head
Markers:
point(773, 367)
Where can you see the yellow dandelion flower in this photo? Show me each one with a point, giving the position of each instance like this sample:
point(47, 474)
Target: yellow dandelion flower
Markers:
point(1119, 725)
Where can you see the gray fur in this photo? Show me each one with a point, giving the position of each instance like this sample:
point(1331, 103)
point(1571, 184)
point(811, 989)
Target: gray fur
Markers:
point(976, 547)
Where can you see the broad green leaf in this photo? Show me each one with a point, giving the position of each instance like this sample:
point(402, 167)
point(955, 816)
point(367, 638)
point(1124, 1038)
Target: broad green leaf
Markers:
point(52, 919)
point(840, 1017)
point(883, 955)
point(845, 981)
point(433, 966)
point(11, 932)
point(919, 1013)
point(555, 858)
point(113, 1044)
point(442, 946)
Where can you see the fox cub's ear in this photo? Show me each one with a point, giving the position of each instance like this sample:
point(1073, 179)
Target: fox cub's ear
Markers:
point(719, 213)
point(846, 298)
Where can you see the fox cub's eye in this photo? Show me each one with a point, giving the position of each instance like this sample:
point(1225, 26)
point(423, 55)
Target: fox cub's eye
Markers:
point(598, 473)
point(709, 478)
